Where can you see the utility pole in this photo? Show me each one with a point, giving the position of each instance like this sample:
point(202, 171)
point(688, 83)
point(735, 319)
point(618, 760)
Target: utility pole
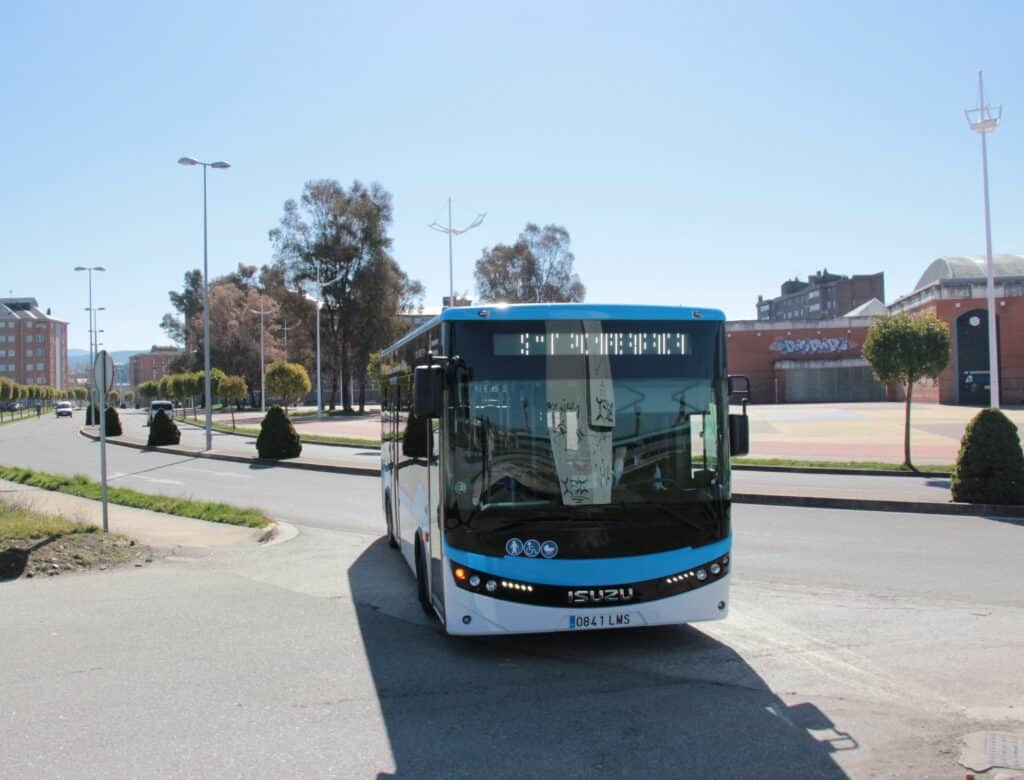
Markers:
point(983, 120)
point(450, 231)
point(286, 327)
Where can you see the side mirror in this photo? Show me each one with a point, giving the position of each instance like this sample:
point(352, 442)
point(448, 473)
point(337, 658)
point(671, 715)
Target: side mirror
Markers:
point(416, 437)
point(739, 434)
point(739, 388)
point(428, 391)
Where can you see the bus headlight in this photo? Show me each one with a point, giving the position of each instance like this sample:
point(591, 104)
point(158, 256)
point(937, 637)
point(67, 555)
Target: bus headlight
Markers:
point(702, 574)
point(491, 586)
point(716, 569)
point(474, 581)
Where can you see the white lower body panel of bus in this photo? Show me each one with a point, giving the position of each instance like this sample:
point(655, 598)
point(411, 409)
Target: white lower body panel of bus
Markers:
point(474, 613)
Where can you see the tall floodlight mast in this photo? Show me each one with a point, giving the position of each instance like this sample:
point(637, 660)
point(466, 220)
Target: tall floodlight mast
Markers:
point(450, 231)
point(983, 120)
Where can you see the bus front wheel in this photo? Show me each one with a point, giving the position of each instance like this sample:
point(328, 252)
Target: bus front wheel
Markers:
point(421, 581)
point(392, 541)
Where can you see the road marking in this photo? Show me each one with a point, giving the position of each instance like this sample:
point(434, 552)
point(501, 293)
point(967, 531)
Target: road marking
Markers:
point(154, 479)
point(214, 472)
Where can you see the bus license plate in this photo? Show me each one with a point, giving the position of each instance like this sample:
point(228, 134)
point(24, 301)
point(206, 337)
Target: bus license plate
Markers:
point(611, 620)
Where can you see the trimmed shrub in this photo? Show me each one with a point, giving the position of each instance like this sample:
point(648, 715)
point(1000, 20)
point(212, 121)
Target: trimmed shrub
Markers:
point(163, 431)
point(92, 415)
point(113, 422)
point(990, 466)
point(278, 439)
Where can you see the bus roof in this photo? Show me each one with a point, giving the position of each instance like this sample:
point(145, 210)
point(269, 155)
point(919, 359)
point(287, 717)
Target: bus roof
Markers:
point(562, 311)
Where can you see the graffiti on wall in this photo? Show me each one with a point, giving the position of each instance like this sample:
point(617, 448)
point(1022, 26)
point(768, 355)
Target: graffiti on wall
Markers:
point(811, 346)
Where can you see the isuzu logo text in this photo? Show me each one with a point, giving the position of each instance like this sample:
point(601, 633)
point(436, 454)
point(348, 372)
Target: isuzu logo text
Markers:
point(600, 595)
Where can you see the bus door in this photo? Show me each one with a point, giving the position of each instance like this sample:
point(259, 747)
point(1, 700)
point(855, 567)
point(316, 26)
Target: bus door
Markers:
point(436, 513)
point(393, 437)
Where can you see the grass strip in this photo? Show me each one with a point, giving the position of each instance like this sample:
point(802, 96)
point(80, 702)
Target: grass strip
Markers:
point(80, 485)
point(855, 465)
point(10, 418)
point(20, 523)
point(312, 438)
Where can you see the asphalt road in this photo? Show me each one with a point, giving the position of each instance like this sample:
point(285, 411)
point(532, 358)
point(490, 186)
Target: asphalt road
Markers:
point(858, 644)
point(54, 445)
point(328, 500)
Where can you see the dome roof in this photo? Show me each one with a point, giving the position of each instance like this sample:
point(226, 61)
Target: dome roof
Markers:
point(970, 268)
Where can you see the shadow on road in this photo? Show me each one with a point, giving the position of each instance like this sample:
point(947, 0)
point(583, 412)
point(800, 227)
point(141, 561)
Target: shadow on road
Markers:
point(666, 702)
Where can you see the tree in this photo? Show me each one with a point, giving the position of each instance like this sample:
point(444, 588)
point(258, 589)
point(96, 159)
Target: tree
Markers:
point(902, 350)
point(537, 268)
point(192, 385)
point(6, 394)
point(148, 391)
point(383, 290)
point(990, 466)
point(287, 380)
point(232, 390)
point(129, 397)
point(339, 235)
point(278, 438)
point(187, 328)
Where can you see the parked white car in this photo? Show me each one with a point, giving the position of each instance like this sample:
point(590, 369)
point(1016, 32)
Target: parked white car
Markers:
point(156, 406)
point(63, 408)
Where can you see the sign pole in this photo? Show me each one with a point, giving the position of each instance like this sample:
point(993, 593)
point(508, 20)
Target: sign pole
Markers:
point(103, 378)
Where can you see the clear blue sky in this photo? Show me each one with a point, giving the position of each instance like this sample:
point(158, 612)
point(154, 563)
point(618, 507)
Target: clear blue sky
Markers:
point(697, 153)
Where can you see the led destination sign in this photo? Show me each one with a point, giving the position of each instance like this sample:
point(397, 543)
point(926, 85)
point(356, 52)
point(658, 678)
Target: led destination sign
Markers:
point(621, 344)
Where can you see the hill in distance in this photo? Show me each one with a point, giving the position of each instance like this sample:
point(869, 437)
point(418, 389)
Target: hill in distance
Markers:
point(78, 359)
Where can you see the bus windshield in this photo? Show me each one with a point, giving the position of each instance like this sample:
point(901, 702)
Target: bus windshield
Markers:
point(554, 414)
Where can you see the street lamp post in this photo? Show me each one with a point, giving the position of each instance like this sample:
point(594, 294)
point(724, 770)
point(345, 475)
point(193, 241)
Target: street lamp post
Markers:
point(319, 299)
point(263, 371)
point(286, 327)
point(983, 120)
point(450, 231)
point(207, 394)
point(92, 356)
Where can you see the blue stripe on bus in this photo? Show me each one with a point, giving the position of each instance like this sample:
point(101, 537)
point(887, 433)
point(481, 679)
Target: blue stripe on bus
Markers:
point(590, 571)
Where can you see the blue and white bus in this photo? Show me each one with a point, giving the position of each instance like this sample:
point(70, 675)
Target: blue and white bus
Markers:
point(552, 467)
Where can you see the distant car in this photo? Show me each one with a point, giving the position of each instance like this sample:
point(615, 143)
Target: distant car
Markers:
point(63, 409)
point(156, 406)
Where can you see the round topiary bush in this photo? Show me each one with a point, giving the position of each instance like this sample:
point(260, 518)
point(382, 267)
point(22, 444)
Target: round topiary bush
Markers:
point(163, 431)
point(113, 422)
point(278, 438)
point(92, 415)
point(990, 466)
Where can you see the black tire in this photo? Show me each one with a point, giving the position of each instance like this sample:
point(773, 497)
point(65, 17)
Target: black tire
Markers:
point(392, 541)
point(421, 582)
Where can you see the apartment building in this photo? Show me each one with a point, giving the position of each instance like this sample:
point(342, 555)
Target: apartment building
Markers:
point(152, 365)
point(33, 344)
point(824, 296)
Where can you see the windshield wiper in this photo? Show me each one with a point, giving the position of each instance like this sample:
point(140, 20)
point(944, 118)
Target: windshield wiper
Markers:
point(708, 512)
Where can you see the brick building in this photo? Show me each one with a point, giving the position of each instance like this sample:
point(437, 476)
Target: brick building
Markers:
point(823, 296)
point(809, 359)
point(953, 288)
point(152, 365)
point(33, 344)
point(803, 361)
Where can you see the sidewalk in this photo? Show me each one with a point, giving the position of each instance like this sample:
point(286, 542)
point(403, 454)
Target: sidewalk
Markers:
point(155, 529)
point(854, 431)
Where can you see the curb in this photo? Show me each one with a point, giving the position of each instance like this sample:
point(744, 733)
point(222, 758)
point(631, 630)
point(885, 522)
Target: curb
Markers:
point(881, 505)
point(317, 443)
point(268, 533)
point(288, 464)
point(840, 471)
